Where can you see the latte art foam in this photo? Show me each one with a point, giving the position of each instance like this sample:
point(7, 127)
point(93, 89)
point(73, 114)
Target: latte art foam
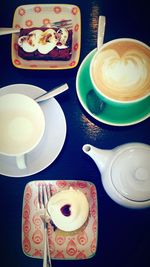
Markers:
point(121, 71)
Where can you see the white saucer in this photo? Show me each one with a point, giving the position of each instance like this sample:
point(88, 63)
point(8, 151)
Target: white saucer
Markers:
point(52, 142)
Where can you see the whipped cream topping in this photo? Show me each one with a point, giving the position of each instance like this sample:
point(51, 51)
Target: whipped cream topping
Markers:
point(68, 209)
point(44, 41)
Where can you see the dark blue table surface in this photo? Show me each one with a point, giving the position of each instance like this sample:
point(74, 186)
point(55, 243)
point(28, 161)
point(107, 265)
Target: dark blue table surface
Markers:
point(124, 234)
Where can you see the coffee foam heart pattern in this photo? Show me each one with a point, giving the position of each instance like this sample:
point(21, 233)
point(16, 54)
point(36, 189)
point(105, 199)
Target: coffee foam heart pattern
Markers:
point(128, 69)
point(122, 76)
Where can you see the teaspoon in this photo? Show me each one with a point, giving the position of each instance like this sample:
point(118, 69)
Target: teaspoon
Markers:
point(54, 92)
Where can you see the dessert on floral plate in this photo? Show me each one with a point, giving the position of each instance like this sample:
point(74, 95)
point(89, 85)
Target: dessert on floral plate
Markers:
point(68, 209)
point(45, 43)
point(40, 44)
point(77, 242)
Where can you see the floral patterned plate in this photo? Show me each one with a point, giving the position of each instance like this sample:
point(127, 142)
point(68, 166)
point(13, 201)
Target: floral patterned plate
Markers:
point(81, 244)
point(28, 16)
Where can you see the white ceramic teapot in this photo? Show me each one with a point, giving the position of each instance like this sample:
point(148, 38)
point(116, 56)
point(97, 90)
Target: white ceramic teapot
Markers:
point(125, 172)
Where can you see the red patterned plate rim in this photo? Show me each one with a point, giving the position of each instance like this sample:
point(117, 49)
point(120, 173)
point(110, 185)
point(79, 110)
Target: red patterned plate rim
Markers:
point(23, 17)
point(81, 244)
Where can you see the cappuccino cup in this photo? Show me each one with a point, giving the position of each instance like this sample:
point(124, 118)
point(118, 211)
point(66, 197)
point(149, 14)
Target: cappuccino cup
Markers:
point(22, 125)
point(120, 72)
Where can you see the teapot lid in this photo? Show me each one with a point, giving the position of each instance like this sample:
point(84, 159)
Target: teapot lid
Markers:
point(130, 173)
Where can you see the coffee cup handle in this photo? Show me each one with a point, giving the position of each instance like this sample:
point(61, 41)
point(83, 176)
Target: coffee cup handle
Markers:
point(20, 160)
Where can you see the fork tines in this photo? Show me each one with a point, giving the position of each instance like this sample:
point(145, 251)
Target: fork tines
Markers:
point(44, 194)
point(63, 23)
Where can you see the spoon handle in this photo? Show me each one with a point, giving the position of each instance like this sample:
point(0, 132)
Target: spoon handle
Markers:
point(4, 31)
point(101, 31)
point(54, 92)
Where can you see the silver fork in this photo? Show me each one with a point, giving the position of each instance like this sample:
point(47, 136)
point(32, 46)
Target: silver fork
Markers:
point(63, 23)
point(44, 194)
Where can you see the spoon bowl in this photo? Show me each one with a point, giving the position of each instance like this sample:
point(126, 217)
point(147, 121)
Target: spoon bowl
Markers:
point(95, 105)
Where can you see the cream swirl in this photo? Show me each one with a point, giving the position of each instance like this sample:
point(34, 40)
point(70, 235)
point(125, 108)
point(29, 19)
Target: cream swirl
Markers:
point(29, 43)
point(44, 41)
point(68, 209)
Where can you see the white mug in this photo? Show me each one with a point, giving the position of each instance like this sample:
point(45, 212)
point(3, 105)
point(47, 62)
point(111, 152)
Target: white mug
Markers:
point(22, 125)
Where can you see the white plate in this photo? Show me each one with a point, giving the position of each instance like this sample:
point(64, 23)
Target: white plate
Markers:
point(52, 142)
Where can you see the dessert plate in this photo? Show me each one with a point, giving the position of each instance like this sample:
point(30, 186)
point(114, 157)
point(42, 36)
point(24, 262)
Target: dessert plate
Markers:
point(110, 115)
point(53, 139)
point(28, 16)
point(80, 244)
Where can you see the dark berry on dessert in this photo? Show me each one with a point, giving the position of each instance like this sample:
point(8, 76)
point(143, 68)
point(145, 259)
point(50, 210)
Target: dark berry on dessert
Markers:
point(66, 210)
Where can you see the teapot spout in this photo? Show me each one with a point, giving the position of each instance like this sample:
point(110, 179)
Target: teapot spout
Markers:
point(100, 156)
